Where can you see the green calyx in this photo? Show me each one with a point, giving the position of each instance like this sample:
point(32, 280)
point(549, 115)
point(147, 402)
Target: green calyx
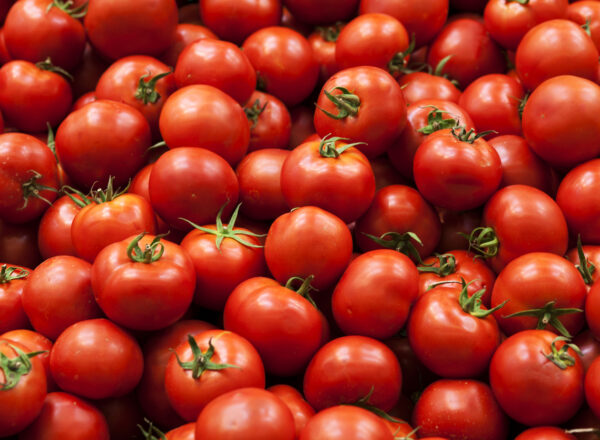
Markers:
point(50, 141)
point(412, 435)
point(521, 2)
point(446, 265)
point(461, 134)
point(585, 267)
point(227, 231)
point(254, 111)
point(401, 242)
point(67, 7)
point(202, 360)
point(152, 433)
point(327, 146)
point(586, 27)
point(146, 90)
point(304, 289)
point(32, 189)
point(548, 315)
point(346, 102)
point(483, 241)
point(152, 252)
point(561, 357)
point(10, 273)
point(435, 121)
point(17, 367)
point(398, 61)
point(472, 304)
point(521, 106)
point(363, 403)
point(48, 66)
point(330, 33)
point(95, 195)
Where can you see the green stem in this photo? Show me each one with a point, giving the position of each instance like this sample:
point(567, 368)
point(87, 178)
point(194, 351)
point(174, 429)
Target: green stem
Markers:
point(346, 102)
point(17, 367)
point(446, 265)
point(585, 267)
point(401, 242)
point(48, 66)
point(146, 90)
point(483, 241)
point(11, 273)
point(560, 357)
point(202, 360)
point(548, 315)
point(152, 252)
point(254, 111)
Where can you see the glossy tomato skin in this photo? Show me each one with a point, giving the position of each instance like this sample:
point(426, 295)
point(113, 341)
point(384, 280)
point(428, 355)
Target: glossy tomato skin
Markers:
point(67, 417)
point(592, 255)
point(204, 116)
point(391, 279)
point(284, 62)
point(99, 224)
point(576, 196)
point(272, 127)
point(117, 29)
point(259, 415)
point(525, 220)
point(294, 400)
point(572, 53)
point(193, 183)
point(54, 233)
point(592, 387)
point(284, 349)
point(12, 314)
point(308, 241)
point(381, 115)
point(342, 372)
point(185, 33)
point(463, 409)
point(422, 85)
point(545, 433)
point(89, 156)
point(347, 423)
point(21, 404)
point(529, 387)
point(323, 46)
point(454, 174)
point(188, 395)
point(75, 366)
point(342, 185)
point(584, 11)
point(140, 295)
point(183, 432)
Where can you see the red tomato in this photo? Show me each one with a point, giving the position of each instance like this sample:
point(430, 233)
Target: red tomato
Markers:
point(185, 33)
point(323, 43)
point(270, 122)
point(207, 366)
point(586, 11)
point(258, 415)
point(317, 12)
point(12, 283)
point(184, 432)
point(391, 279)
point(308, 241)
point(586, 259)
point(294, 400)
point(545, 433)
point(463, 409)
point(364, 104)
point(342, 372)
point(343, 422)
point(592, 387)
point(421, 85)
point(54, 233)
point(75, 366)
point(537, 378)
point(566, 49)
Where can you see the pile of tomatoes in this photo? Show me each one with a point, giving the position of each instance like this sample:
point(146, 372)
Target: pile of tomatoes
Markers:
point(300, 219)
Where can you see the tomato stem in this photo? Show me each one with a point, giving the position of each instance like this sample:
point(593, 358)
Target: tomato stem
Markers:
point(327, 146)
point(399, 61)
point(446, 265)
point(363, 402)
point(585, 267)
point(548, 315)
point(347, 103)
point(253, 112)
point(560, 357)
point(66, 6)
point(202, 360)
point(146, 90)
point(32, 188)
point(11, 273)
point(152, 431)
point(304, 289)
point(435, 121)
point(330, 33)
point(483, 241)
point(472, 304)
point(47, 65)
point(15, 368)
point(469, 136)
point(401, 242)
point(152, 252)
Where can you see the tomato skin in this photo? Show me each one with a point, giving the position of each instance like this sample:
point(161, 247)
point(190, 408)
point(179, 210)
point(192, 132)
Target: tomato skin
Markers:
point(531, 389)
point(545, 433)
point(59, 294)
point(572, 52)
point(12, 314)
point(308, 241)
point(342, 372)
point(54, 233)
point(324, 53)
point(204, 116)
point(89, 156)
point(283, 59)
point(259, 415)
point(577, 197)
point(21, 404)
point(193, 183)
point(582, 11)
point(67, 417)
point(185, 33)
point(391, 278)
point(273, 125)
point(463, 409)
point(381, 115)
point(118, 29)
point(592, 387)
point(295, 402)
point(99, 224)
point(421, 85)
point(75, 366)
point(189, 396)
point(347, 423)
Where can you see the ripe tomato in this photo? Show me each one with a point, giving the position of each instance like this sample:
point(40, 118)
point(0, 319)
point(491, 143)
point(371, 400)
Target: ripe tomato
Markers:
point(185, 33)
point(323, 43)
point(294, 400)
point(592, 387)
point(422, 85)
point(12, 282)
point(54, 232)
point(588, 12)
point(270, 122)
point(343, 422)
point(545, 433)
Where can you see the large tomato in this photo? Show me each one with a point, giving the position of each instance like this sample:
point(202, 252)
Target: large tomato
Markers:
point(344, 422)
point(422, 85)
point(270, 122)
point(12, 283)
point(185, 33)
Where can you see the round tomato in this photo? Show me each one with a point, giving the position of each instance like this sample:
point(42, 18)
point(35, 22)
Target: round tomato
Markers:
point(54, 232)
point(270, 122)
point(185, 33)
point(545, 433)
point(422, 85)
point(12, 283)
point(294, 400)
point(343, 422)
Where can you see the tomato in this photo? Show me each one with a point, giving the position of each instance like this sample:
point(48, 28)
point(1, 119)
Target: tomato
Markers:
point(517, 220)
point(66, 417)
point(295, 402)
point(35, 30)
point(343, 422)
point(203, 116)
point(192, 183)
point(592, 387)
point(456, 169)
point(12, 283)
point(54, 233)
point(392, 280)
point(577, 200)
point(422, 85)
point(323, 43)
point(537, 378)
point(463, 409)
point(285, 349)
point(22, 387)
point(586, 259)
point(117, 29)
point(270, 122)
point(284, 63)
point(142, 82)
point(521, 166)
point(248, 413)
point(308, 241)
point(507, 22)
point(364, 104)
point(473, 52)
point(184, 432)
point(321, 12)
point(567, 50)
point(545, 433)
point(235, 20)
point(342, 372)
point(143, 282)
point(185, 33)
point(96, 359)
point(584, 12)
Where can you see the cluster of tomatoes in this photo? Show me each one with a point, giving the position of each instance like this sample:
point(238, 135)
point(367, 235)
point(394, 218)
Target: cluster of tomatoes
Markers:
point(300, 219)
